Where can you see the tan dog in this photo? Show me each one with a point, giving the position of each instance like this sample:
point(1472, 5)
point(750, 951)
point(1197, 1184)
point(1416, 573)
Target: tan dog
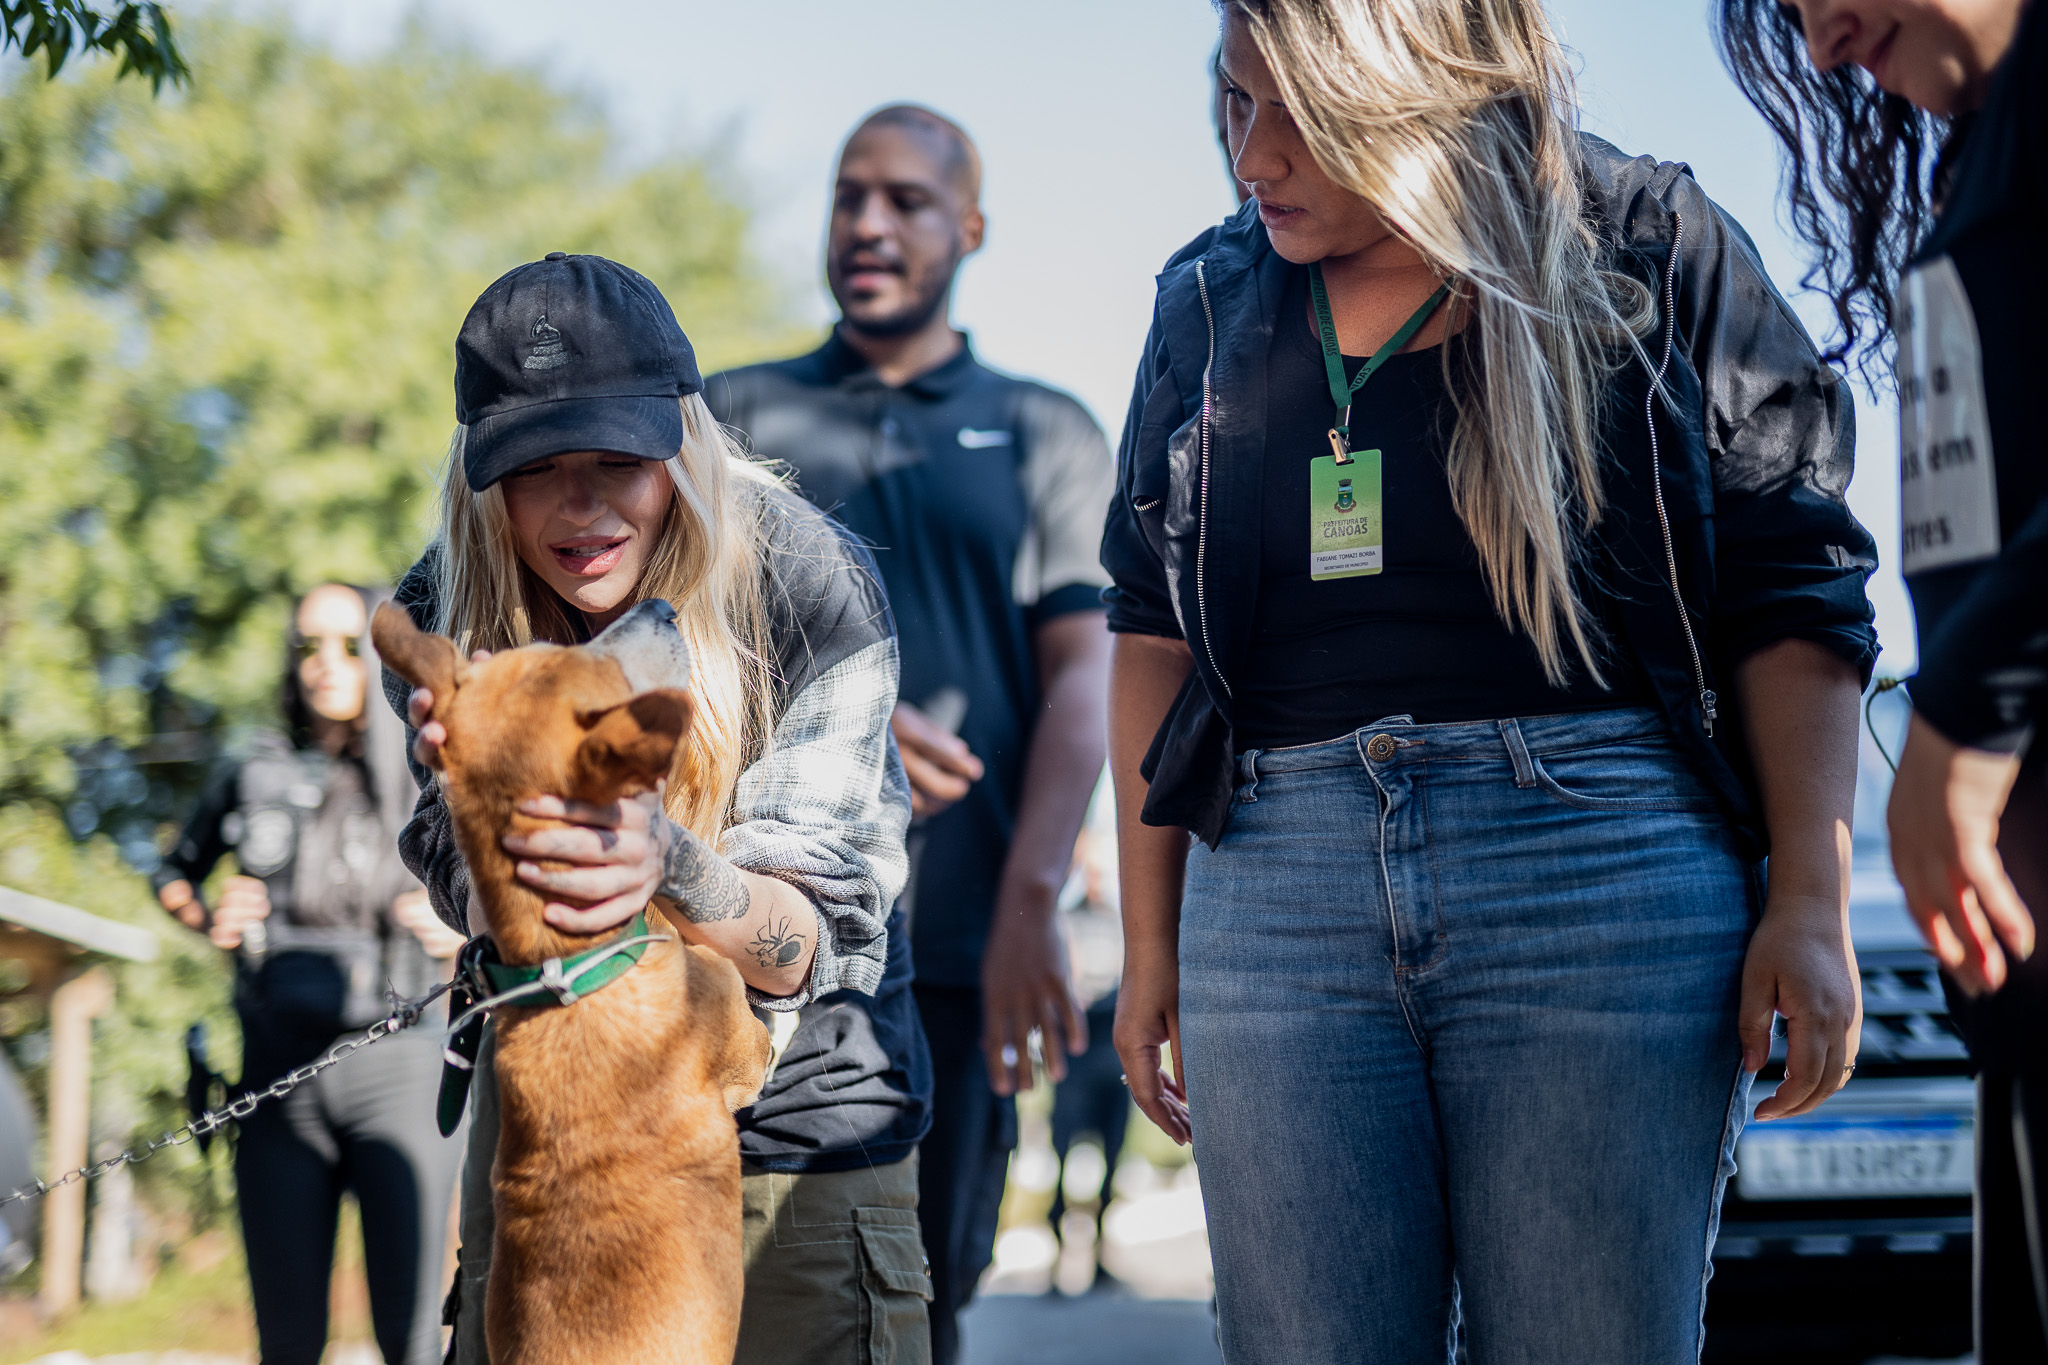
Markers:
point(617, 1177)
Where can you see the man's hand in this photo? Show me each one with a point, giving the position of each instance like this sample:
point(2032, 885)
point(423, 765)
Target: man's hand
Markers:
point(243, 901)
point(617, 852)
point(1800, 965)
point(1943, 817)
point(415, 911)
point(1025, 986)
point(940, 766)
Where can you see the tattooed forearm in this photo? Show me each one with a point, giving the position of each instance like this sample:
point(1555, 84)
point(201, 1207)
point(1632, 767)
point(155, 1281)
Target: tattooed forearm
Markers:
point(776, 944)
point(704, 885)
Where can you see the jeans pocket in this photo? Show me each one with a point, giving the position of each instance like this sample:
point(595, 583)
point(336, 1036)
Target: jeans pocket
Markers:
point(1647, 773)
point(895, 1286)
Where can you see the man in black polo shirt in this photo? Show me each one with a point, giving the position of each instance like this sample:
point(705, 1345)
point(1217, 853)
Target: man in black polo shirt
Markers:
point(981, 495)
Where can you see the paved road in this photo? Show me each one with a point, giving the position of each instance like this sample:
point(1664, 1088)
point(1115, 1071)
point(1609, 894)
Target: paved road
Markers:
point(1093, 1329)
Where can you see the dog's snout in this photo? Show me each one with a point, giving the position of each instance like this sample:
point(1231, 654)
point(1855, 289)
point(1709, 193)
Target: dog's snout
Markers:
point(648, 646)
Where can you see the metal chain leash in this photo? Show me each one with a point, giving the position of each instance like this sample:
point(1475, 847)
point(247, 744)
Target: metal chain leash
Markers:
point(404, 1015)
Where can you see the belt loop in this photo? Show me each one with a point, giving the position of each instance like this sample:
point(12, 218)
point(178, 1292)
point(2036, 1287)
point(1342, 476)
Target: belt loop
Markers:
point(1525, 771)
point(1250, 789)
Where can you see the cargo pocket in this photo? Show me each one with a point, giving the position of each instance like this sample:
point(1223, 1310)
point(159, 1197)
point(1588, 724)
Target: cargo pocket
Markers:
point(895, 1286)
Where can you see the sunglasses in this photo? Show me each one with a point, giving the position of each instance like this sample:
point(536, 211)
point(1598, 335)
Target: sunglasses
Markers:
point(309, 645)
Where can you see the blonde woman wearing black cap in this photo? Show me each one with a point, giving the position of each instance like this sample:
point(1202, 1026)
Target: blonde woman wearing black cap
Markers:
point(586, 477)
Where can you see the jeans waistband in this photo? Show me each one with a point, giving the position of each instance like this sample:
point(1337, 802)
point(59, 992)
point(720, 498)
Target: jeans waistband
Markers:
point(1397, 739)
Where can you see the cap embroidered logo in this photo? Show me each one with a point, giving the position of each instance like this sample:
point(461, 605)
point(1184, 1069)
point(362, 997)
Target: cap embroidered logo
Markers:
point(548, 351)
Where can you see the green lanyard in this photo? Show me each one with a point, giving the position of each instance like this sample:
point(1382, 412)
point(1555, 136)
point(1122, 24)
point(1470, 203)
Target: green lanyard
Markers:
point(1333, 359)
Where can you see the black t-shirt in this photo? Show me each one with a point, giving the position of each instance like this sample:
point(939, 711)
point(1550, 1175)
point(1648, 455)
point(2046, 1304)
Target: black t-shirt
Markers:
point(1970, 362)
point(1421, 637)
point(981, 496)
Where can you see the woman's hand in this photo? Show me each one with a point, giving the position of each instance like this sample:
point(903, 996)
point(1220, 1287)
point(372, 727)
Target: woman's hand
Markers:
point(1943, 817)
point(1800, 703)
point(181, 903)
point(415, 911)
point(243, 901)
point(1800, 965)
point(618, 852)
point(430, 735)
point(1147, 1018)
point(1145, 675)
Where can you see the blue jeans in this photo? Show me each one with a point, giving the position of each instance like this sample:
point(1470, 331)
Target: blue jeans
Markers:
point(1458, 1004)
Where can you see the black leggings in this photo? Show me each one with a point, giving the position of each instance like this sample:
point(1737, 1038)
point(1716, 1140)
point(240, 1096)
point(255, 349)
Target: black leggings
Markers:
point(2012, 1206)
point(366, 1127)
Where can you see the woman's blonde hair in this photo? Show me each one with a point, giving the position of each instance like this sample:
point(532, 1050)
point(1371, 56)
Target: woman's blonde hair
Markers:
point(1456, 120)
point(707, 563)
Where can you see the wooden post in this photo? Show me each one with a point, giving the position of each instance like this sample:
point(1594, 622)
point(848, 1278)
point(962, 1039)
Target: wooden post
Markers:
point(73, 1007)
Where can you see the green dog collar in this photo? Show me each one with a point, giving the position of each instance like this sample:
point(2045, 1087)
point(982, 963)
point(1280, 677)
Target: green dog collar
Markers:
point(563, 980)
point(487, 984)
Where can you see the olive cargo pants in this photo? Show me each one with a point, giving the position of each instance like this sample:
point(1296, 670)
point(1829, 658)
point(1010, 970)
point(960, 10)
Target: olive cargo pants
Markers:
point(835, 1263)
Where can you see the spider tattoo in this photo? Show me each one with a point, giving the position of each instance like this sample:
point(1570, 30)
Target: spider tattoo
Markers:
point(775, 945)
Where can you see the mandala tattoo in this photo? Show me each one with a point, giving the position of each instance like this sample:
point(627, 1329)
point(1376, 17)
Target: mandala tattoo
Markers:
point(705, 886)
point(775, 944)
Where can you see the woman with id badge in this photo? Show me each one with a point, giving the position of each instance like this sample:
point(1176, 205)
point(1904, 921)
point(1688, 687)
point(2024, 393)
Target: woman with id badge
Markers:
point(1881, 83)
point(1487, 608)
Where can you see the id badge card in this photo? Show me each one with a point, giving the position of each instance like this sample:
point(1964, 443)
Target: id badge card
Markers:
point(1345, 533)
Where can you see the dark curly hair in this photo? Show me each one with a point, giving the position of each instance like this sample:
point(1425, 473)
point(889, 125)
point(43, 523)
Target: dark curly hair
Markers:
point(1860, 170)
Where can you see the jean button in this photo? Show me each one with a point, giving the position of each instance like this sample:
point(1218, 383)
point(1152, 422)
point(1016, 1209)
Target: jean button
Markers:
point(1380, 748)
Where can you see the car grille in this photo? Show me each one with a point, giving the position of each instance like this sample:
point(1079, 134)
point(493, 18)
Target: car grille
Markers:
point(1906, 1028)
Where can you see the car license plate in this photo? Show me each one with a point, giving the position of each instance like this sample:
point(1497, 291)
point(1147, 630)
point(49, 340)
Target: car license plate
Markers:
point(1856, 1157)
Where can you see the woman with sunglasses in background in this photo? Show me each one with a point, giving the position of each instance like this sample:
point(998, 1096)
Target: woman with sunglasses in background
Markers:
point(1916, 138)
point(321, 917)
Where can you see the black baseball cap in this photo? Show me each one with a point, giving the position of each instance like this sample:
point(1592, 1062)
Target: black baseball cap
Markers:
point(570, 353)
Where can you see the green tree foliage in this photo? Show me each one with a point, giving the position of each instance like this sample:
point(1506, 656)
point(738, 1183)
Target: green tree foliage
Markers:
point(141, 34)
point(227, 319)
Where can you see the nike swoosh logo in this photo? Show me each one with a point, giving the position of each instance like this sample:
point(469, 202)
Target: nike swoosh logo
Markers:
point(983, 440)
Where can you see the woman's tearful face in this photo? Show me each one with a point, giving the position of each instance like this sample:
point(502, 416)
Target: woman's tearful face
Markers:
point(587, 523)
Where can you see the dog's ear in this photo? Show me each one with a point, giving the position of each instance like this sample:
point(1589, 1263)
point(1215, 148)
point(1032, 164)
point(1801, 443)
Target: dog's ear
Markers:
point(630, 746)
point(429, 661)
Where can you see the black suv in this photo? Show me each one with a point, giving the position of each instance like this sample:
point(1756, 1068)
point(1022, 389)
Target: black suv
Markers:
point(1846, 1232)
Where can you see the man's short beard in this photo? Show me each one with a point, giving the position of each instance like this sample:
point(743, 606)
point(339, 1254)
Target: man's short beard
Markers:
point(899, 324)
point(930, 301)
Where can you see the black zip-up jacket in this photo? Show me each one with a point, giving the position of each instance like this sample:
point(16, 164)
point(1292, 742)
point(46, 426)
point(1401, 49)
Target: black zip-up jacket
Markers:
point(1728, 533)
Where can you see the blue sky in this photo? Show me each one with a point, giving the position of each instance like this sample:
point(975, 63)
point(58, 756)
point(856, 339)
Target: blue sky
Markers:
point(1092, 118)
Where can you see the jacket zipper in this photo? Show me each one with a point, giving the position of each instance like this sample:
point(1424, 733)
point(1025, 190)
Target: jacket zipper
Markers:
point(1202, 509)
point(1709, 701)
